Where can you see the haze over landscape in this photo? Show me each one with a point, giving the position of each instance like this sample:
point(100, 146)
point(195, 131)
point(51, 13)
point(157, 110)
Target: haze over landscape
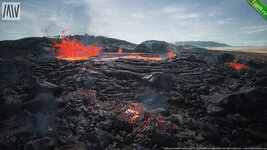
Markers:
point(233, 22)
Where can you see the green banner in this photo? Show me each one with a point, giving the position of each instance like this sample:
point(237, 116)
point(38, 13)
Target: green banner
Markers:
point(260, 7)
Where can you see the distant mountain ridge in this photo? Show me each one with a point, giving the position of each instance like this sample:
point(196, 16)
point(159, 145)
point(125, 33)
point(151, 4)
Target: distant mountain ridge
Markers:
point(42, 46)
point(203, 43)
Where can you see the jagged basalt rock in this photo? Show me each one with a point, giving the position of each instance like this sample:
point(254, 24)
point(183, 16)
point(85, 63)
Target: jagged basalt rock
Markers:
point(43, 143)
point(164, 139)
point(210, 132)
point(160, 80)
point(215, 110)
point(245, 101)
point(100, 139)
point(153, 47)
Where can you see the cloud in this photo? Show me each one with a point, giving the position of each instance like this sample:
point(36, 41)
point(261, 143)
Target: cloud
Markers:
point(223, 2)
point(188, 11)
point(99, 1)
point(185, 15)
point(255, 43)
point(212, 12)
point(139, 20)
point(138, 15)
point(10, 32)
point(173, 9)
point(85, 1)
point(225, 21)
point(254, 29)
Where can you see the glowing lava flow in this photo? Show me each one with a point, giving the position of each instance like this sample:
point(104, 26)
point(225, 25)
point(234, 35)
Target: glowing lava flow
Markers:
point(131, 57)
point(119, 50)
point(237, 66)
point(71, 49)
point(135, 111)
point(127, 56)
point(124, 53)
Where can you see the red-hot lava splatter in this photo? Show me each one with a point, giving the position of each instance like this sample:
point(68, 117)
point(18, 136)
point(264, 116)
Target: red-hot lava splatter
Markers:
point(72, 49)
point(237, 66)
point(172, 53)
point(50, 129)
point(119, 50)
point(133, 112)
point(34, 136)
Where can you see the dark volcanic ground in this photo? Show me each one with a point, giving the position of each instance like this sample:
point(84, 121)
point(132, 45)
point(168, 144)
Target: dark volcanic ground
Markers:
point(57, 104)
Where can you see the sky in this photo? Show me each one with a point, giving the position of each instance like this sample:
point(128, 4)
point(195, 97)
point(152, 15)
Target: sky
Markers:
point(234, 22)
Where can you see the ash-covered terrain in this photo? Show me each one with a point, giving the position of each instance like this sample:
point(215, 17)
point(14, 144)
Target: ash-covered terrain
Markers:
point(194, 99)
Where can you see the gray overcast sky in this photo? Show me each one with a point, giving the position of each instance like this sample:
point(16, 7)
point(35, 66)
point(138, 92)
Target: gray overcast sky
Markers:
point(233, 22)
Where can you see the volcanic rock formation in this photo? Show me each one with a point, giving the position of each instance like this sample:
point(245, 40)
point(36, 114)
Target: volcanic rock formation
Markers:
point(191, 100)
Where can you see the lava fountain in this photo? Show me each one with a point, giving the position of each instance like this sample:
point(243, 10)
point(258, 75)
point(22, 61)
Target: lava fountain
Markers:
point(72, 49)
point(172, 53)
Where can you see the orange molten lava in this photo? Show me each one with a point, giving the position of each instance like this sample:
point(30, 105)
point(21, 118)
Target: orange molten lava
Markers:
point(135, 111)
point(237, 66)
point(123, 52)
point(132, 57)
point(71, 49)
point(119, 50)
point(50, 129)
point(34, 136)
point(170, 54)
